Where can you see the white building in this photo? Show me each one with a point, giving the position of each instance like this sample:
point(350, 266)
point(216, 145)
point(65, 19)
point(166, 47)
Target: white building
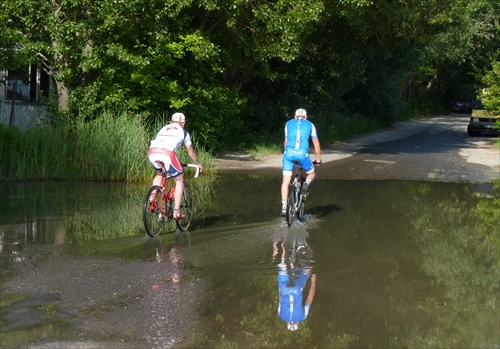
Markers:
point(26, 109)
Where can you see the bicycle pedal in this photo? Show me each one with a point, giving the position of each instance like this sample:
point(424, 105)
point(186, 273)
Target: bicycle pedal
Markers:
point(179, 216)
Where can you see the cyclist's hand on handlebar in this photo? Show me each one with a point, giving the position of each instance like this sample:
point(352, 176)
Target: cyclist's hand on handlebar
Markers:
point(316, 163)
point(200, 166)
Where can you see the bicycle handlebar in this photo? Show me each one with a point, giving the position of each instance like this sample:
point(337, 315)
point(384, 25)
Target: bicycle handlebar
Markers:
point(315, 163)
point(193, 165)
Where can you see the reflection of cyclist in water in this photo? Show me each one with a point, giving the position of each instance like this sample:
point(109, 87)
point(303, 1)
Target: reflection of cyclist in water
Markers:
point(173, 257)
point(294, 270)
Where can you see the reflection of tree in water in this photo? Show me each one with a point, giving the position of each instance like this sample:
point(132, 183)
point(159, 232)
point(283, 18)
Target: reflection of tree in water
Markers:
point(459, 247)
point(294, 271)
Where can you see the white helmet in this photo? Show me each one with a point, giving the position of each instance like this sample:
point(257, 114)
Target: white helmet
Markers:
point(179, 117)
point(301, 113)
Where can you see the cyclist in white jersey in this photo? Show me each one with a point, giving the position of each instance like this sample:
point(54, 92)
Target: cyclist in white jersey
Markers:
point(163, 150)
point(298, 131)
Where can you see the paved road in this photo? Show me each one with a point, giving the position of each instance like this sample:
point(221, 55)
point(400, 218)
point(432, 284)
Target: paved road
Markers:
point(435, 149)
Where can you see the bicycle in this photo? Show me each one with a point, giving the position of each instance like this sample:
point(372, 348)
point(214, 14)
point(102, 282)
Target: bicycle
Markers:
point(296, 200)
point(159, 204)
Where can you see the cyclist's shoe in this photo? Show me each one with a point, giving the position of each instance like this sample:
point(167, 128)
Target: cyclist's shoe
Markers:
point(152, 197)
point(305, 189)
point(283, 211)
point(178, 215)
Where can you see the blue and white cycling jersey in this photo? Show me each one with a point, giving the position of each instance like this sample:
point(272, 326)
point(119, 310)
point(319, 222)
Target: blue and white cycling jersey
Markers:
point(297, 134)
point(291, 307)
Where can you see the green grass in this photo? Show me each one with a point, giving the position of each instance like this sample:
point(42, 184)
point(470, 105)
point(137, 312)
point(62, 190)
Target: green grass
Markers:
point(112, 147)
point(270, 149)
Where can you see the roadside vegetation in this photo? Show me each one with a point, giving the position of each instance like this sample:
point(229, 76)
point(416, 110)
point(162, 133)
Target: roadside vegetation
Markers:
point(237, 69)
point(110, 147)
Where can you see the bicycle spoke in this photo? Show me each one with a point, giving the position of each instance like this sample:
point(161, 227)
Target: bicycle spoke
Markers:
point(154, 210)
point(186, 207)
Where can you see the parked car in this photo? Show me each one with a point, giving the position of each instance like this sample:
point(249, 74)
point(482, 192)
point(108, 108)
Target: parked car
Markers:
point(482, 121)
point(461, 105)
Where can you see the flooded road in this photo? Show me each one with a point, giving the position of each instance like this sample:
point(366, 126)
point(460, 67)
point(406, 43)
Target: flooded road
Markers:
point(375, 264)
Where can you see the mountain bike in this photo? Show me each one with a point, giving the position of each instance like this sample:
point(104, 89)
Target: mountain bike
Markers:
point(159, 204)
point(296, 200)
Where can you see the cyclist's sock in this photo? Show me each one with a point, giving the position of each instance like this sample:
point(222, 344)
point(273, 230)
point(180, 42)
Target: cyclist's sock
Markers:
point(305, 187)
point(177, 214)
point(152, 197)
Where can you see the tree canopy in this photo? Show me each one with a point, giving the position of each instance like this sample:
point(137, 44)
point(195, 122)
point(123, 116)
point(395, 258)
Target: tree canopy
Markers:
point(238, 68)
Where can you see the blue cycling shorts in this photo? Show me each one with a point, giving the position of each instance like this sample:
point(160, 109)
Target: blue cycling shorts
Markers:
point(300, 155)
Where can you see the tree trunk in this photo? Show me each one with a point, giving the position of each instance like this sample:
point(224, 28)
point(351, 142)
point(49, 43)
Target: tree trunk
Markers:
point(12, 111)
point(62, 95)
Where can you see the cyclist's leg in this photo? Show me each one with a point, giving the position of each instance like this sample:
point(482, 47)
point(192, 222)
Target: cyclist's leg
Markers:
point(176, 172)
point(284, 190)
point(179, 189)
point(311, 174)
point(156, 160)
point(287, 176)
point(184, 219)
point(308, 168)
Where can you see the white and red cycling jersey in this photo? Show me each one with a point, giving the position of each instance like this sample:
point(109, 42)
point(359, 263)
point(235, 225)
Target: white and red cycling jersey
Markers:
point(163, 148)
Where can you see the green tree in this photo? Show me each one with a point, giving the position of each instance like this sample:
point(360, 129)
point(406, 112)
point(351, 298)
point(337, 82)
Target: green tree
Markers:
point(234, 63)
point(50, 33)
point(490, 95)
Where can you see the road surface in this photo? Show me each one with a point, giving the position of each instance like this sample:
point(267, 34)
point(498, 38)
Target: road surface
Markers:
point(434, 149)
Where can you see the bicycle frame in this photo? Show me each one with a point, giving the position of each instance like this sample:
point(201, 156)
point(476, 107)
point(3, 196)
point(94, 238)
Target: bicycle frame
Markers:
point(295, 201)
point(166, 190)
point(158, 208)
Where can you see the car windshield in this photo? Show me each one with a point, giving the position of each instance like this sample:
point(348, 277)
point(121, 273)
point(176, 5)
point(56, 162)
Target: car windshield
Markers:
point(478, 104)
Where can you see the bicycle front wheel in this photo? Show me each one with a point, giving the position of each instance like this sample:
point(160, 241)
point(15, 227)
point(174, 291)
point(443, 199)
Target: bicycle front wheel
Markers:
point(154, 210)
point(186, 208)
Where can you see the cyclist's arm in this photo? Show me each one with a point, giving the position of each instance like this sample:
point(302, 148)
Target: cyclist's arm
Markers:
point(192, 155)
point(317, 149)
point(286, 136)
point(312, 290)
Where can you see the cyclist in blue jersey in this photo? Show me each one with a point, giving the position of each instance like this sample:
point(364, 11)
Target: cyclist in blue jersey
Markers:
point(294, 271)
point(291, 305)
point(298, 131)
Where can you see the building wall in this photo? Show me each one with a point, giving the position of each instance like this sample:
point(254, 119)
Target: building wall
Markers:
point(28, 111)
point(25, 114)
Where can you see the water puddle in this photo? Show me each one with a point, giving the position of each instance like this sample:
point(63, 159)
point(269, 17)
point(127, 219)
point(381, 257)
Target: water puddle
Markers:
point(374, 264)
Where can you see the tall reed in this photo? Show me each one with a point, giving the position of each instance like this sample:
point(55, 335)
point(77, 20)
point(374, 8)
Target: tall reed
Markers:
point(110, 147)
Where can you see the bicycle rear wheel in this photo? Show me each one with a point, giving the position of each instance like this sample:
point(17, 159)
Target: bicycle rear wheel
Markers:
point(291, 211)
point(302, 201)
point(154, 210)
point(186, 208)
point(300, 211)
